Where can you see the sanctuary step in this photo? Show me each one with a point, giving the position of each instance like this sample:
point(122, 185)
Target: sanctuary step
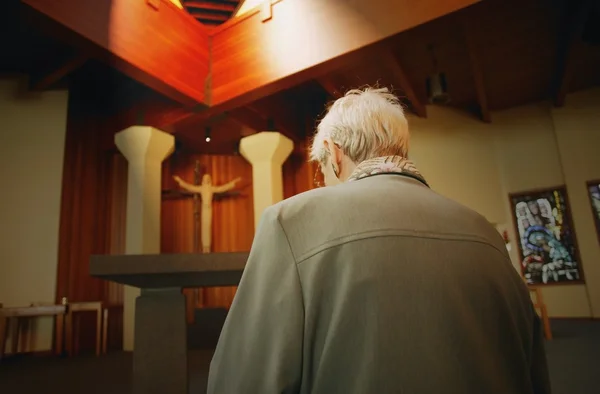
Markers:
point(204, 332)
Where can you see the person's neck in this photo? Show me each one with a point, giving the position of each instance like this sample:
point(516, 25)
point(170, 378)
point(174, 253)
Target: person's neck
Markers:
point(348, 167)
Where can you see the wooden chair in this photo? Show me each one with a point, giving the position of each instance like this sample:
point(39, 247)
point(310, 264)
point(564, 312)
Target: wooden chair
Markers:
point(73, 321)
point(108, 312)
point(104, 312)
point(14, 316)
point(540, 306)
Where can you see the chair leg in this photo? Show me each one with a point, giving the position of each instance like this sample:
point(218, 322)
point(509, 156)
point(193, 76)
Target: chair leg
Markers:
point(3, 332)
point(99, 331)
point(59, 334)
point(104, 331)
point(76, 331)
point(15, 328)
point(69, 334)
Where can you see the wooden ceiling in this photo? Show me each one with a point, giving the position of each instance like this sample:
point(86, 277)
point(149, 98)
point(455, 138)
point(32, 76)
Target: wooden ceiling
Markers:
point(211, 12)
point(495, 55)
point(509, 49)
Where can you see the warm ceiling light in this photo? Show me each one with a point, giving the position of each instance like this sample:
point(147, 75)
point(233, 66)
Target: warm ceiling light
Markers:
point(437, 89)
point(207, 134)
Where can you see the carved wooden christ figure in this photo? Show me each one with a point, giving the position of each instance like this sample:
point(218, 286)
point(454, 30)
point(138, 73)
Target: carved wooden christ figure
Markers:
point(206, 190)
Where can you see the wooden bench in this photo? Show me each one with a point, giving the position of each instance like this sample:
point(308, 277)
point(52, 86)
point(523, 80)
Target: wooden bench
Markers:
point(14, 316)
point(103, 312)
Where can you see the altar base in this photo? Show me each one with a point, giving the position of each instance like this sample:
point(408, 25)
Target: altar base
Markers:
point(160, 362)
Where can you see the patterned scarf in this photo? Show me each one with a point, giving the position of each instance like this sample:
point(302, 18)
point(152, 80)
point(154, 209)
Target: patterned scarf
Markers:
point(386, 165)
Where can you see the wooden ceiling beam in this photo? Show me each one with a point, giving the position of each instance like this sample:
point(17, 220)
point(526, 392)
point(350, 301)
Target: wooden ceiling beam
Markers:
point(250, 118)
point(272, 56)
point(149, 113)
point(284, 117)
point(255, 116)
point(208, 16)
point(253, 58)
point(332, 85)
point(569, 38)
point(207, 5)
point(51, 78)
point(392, 63)
point(477, 71)
point(279, 124)
point(145, 43)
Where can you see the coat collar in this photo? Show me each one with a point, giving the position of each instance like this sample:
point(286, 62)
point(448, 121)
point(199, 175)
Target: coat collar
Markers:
point(387, 165)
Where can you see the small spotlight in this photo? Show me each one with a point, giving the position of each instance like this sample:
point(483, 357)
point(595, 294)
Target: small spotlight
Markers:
point(207, 139)
point(207, 134)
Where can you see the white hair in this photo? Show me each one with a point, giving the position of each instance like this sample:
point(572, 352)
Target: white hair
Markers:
point(365, 123)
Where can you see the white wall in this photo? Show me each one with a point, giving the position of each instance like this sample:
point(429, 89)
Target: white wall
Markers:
point(31, 162)
point(524, 148)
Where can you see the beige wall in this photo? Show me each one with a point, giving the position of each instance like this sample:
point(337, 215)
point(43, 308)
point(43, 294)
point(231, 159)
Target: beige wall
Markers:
point(578, 135)
point(479, 164)
point(32, 144)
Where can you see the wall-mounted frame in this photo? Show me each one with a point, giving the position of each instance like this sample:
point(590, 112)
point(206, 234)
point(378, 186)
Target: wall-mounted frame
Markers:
point(593, 190)
point(548, 252)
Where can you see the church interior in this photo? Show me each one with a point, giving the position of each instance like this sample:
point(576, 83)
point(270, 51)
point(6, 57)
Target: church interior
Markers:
point(163, 128)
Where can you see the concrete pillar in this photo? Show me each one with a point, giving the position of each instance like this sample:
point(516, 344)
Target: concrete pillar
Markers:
point(266, 151)
point(145, 149)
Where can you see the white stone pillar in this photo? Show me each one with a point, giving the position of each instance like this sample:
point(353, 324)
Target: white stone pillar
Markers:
point(145, 149)
point(266, 151)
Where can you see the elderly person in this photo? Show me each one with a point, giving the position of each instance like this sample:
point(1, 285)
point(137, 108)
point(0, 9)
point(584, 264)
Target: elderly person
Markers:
point(377, 284)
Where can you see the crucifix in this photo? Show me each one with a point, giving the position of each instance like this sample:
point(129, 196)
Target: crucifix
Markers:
point(203, 193)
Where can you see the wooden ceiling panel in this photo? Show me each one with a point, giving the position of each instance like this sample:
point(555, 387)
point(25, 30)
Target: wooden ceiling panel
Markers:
point(276, 55)
point(286, 116)
point(364, 75)
point(586, 68)
point(516, 43)
point(24, 48)
point(167, 50)
point(519, 51)
point(313, 100)
point(361, 76)
point(449, 49)
point(211, 12)
point(205, 16)
point(225, 134)
point(334, 84)
point(225, 6)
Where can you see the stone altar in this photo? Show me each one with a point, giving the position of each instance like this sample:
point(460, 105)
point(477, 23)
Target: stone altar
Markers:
point(160, 340)
point(157, 331)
